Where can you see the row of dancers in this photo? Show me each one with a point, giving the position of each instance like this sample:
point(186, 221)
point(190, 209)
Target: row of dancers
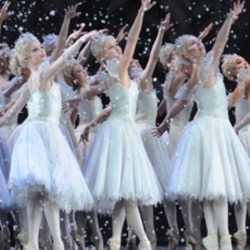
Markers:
point(54, 176)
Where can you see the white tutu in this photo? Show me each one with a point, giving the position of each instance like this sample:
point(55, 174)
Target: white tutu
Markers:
point(42, 159)
point(117, 166)
point(5, 200)
point(210, 161)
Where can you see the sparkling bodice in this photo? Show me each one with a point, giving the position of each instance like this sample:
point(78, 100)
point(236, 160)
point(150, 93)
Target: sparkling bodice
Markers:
point(88, 109)
point(146, 111)
point(182, 118)
point(212, 101)
point(45, 106)
point(123, 99)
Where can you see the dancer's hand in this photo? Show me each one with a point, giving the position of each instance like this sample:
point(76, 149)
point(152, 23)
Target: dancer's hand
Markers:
point(85, 134)
point(122, 33)
point(206, 31)
point(4, 12)
point(237, 9)
point(70, 11)
point(158, 131)
point(165, 24)
point(147, 4)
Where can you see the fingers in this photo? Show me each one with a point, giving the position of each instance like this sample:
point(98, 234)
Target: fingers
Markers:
point(84, 138)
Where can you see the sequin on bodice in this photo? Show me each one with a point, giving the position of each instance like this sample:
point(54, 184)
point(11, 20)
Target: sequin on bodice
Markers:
point(123, 99)
point(45, 106)
point(146, 108)
point(89, 109)
point(212, 101)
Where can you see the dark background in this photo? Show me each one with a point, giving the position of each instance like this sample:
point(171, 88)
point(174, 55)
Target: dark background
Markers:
point(188, 16)
point(42, 17)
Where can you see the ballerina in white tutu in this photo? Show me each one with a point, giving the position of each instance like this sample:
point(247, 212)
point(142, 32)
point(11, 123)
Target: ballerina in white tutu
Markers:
point(145, 119)
point(236, 68)
point(175, 78)
point(218, 171)
point(87, 108)
point(49, 175)
point(117, 168)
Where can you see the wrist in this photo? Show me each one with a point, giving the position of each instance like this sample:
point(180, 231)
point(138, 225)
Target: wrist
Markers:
point(142, 10)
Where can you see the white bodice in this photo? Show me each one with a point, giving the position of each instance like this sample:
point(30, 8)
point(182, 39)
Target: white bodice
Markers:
point(182, 118)
point(212, 101)
point(146, 111)
point(45, 106)
point(89, 109)
point(123, 99)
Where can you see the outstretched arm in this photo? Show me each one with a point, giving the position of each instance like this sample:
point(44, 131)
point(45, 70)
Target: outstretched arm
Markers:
point(15, 108)
point(86, 51)
point(154, 54)
point(178, 106)
point(162, 108)
point(56, 66)
point(223, 34)
point(74, 36)
point(102, 116)
point(121, 35)
point(180, 103)
point(4, 14)
point(132, 39)
point(206, 31)
point(70, 12)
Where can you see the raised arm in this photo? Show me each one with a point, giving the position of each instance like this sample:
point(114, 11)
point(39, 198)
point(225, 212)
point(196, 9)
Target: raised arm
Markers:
point(70, 12)
point(15, 108)
point(223, 34)
point(4, 14)
point(162, 108)
point(102, 116)
point(121, 34)
point(180, 103)
point(132, 38)
point(74, 35)
point(56, 66)
point(86, 51)
point(154, 54)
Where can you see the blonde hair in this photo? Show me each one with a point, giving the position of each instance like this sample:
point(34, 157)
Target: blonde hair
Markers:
point(5, 53)
point(69, 67)
point(166, 53)
point(228, 67)
point(180, 49)
point(22, 46)
point(97, 46)
point(49, 40)
point(15, 66)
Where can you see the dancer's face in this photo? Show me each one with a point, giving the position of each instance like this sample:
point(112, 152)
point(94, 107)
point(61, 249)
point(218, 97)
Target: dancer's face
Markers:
point(111, 49)
point(37, 54)
point(79, 73)
point(135, 69)
point(238, 63)
point(194, 47)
